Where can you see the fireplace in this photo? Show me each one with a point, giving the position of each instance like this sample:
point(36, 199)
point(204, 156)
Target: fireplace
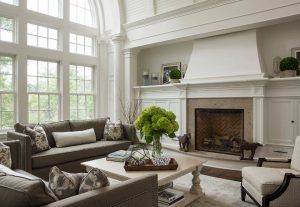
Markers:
point(219, 130)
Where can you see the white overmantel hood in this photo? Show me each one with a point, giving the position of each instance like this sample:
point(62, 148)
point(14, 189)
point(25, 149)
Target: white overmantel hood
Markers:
point(226, 57)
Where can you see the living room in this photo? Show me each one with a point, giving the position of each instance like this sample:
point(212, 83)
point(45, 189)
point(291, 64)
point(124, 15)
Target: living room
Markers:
point(149, 103)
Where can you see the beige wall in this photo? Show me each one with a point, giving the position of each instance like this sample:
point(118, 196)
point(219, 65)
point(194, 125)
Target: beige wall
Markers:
point(221, 103)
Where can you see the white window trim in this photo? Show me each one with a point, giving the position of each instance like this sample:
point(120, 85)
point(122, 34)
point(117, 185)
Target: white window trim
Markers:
point(22, 52)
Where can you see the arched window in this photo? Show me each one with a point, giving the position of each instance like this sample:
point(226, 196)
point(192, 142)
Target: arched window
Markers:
point(41, 48)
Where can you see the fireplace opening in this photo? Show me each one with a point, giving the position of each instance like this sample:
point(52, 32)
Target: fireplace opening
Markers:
point(219, 130)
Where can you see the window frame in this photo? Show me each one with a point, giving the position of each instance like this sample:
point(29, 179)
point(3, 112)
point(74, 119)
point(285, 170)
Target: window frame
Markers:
point(21, 52)
point(93, 21)
point(14, 31)
point(59, 11)
point(13, 92)
point(93, 52)
point(47, 38)
point(92, 93)
point(39, 93)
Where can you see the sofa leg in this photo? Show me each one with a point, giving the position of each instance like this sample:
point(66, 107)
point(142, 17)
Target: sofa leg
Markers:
point(243, 193)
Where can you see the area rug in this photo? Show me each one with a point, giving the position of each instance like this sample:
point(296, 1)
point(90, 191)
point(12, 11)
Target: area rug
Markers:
point(218, 192)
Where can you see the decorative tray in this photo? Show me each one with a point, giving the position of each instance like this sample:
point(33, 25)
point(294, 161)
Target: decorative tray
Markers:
point(148, 166)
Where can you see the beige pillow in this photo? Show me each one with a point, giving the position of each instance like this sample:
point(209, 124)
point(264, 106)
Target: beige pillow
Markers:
point(65, 139)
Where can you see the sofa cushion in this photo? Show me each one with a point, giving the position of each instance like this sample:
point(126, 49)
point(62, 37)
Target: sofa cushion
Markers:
point(56, 156)
point(38, 137)
point(96, 124)
point(5, 157)
point(61, 126)
point(65, 139)
point(113, 131)
point(264, 180)
point(94, 179)
point(64, 184)
point(20, 190)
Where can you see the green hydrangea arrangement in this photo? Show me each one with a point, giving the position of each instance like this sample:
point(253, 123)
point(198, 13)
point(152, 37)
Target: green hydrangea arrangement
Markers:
point(153, 122)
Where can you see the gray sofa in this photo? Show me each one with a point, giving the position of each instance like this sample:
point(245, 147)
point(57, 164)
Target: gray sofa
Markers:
point(68, 158)
point(131, 193)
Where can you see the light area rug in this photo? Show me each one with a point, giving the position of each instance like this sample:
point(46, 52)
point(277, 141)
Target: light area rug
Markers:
point(218, 192)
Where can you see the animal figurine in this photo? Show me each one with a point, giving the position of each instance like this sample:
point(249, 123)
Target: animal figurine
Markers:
point(248, 146)
point(184, 142)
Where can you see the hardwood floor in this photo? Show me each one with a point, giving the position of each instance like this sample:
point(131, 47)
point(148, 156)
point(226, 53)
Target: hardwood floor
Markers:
point(234, 175)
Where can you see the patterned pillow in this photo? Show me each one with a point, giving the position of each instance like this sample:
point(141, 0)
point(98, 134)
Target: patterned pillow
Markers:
point(5, 158)
point(95, 179)
point(39, 141)
point(113, 131)
point(64, 184)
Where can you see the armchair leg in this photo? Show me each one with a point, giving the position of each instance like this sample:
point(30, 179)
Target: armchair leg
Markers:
point(243, 193)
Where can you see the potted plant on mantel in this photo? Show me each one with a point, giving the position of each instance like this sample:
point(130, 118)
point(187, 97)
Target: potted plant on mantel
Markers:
point(175, 75)
point(288, 67)
point(154, 122)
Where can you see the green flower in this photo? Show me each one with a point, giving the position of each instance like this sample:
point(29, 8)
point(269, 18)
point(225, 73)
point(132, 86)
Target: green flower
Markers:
point(154, 121)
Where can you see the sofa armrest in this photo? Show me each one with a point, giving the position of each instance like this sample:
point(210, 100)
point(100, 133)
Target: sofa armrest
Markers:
point(25, 141)
point(15, 152)
point(130, 133)
point(274, 162)
point(134, 192)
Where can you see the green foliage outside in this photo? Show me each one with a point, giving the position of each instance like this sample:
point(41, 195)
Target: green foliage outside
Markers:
point(6, 92)
point(6, 23)
point(153, 122)
point(289, 63)
point(175, 74)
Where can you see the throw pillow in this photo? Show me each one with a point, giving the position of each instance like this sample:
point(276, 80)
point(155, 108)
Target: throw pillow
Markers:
point(95, 179)
point(113, 131)
point(17, 189)
point(65, 139)
point(5, 158)
point(64, 184)
point(39, 141)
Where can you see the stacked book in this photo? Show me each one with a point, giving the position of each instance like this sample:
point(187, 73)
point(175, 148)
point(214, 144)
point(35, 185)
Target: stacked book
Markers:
point(170, 197)
point(118, 156)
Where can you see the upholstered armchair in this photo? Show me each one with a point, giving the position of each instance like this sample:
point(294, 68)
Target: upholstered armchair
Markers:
point(274, 182)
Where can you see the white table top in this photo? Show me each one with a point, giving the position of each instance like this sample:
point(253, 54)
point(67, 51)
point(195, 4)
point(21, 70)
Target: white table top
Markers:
point(115, 170)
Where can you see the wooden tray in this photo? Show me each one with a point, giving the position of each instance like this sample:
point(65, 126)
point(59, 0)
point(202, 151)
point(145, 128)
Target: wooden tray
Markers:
point(148, 166)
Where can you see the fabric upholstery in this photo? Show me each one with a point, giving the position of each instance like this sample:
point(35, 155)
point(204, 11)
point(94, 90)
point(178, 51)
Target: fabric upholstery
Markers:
point(143, 192)
point(95, 179)
point(5, 157)
point(15, 153)
point(295, 164)
point(65, 139)
point(264, 180)
point(253, 191)
point(61, 126)
point(39, 141)
point(56, 156)
point(96, 124)
point(20, 190)
point(20, 127)
point(64, 184)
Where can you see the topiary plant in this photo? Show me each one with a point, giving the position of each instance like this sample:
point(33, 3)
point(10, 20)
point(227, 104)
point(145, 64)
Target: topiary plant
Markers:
point(289, 63)
point(153, 122)
point(175, 74)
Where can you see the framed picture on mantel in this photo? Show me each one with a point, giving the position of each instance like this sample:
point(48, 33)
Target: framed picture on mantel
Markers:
point(165, 70)
point(296, 54)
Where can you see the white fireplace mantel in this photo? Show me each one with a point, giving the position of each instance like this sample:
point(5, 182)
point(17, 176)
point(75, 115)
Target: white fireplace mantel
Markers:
point(174, 96)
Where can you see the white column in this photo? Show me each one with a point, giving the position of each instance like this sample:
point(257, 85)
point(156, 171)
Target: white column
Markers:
point(103, 76)
point(130, 73)
point(118, 42)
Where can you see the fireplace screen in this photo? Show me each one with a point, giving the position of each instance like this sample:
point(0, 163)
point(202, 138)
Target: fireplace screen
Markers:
point(219, 130)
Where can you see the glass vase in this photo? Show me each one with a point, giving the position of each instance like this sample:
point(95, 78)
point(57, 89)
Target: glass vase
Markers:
point(156, 148)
